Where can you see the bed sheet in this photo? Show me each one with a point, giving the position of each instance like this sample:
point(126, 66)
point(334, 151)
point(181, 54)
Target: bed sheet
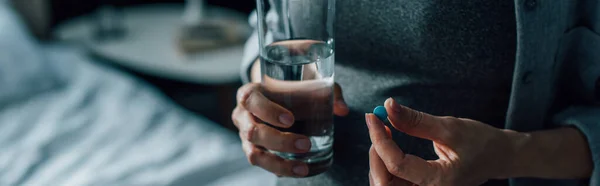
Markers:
point(103, 127)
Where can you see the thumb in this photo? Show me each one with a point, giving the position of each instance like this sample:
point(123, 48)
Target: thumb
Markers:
point(339, 105)
point(416, 123)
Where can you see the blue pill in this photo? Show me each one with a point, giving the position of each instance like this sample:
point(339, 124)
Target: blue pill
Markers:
point(381, 113)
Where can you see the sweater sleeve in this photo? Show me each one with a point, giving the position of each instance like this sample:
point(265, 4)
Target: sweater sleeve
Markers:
point(250, 55)
point(587, 120)
point(588, 66)
point(250, 50)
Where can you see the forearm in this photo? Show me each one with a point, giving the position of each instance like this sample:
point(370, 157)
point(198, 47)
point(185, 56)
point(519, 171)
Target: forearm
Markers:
point(553, 154)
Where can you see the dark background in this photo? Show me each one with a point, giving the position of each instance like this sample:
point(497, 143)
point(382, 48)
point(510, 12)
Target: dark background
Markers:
point(65, 9)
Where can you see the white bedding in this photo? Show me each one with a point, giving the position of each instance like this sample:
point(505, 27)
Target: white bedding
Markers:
point(103, 127)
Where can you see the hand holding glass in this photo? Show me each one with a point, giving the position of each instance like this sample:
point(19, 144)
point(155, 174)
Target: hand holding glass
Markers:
point(297, 67)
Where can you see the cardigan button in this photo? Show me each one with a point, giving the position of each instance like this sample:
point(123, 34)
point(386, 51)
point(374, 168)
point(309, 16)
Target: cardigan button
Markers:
point(530, 4)
point(527, 77)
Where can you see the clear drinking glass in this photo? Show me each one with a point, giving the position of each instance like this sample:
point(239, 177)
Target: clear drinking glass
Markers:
point(297, 66)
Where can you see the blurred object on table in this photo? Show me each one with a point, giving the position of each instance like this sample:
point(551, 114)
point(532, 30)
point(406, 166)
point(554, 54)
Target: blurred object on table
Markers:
point(109, 23)
point(206, 28)
point(149, 46)
point(203, 81)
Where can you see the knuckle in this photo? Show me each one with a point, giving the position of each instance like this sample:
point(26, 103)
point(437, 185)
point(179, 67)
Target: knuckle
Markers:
point(379, 183)
point(378, 142)
point(465, 120)
point(284, 168)
point(245, 94)
point(448, 118)
point(247, 98)
point(414, 120)
point(453, 120)
point(450, 123)
point(241, 92)
point(446, 131)
point(372, 151)
point(235, 114)
point(250, 133)
point(448, 138)
point(450, 132)
point(254, 155)
point(281, 144)
point(281, 141)
point(395, 169)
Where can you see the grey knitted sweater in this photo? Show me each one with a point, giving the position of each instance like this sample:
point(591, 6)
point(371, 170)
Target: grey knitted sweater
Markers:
point(441, 57)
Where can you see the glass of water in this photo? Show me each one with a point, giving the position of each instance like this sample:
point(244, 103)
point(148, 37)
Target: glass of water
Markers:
point(297, 66)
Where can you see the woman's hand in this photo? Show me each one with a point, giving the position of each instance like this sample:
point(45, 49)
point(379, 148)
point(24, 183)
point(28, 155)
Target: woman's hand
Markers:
point(471, 152)
point(254, 109)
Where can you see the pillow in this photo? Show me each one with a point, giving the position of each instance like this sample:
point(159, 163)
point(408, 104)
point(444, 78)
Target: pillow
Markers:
point(23, 71)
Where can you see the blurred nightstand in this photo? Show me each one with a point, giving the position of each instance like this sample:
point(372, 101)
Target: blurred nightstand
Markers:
point(200, 82)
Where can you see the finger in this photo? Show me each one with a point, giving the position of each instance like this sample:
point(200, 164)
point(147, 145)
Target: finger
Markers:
point(371, 179)
point(379, 134)
point(269, 137)
point(401, 182)
point(272, 139)
point(416, 123)
point(250, 97)
point(378, 171)
point(273, 163)
point(408, 167)
point(242, 118)
point(388, 131)
point(340, 108)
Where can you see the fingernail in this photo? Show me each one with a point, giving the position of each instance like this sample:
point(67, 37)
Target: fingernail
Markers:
point(286, 119)
point(300, 170)
point(395, 106)
point(303, 144)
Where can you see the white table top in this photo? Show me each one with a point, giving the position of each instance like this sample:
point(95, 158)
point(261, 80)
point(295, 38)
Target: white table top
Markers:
point(149, 45)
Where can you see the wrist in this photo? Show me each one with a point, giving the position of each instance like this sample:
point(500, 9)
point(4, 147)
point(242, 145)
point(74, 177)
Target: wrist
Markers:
point(519, 157)
point(553, 154)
